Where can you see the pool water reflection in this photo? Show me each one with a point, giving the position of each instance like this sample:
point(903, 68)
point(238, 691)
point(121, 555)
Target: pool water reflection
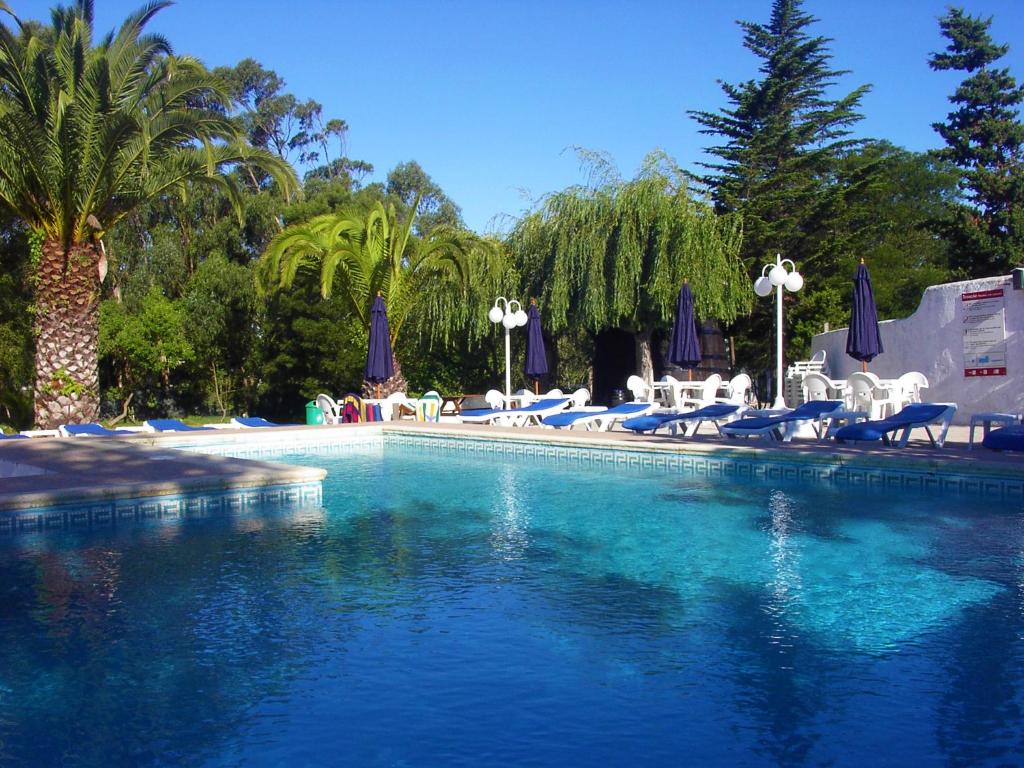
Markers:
point(457, 611)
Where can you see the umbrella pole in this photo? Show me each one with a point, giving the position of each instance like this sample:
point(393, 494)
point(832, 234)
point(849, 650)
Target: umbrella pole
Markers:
point(689, 374)
point(378, 391)
point(536, 386)
point(864, 365)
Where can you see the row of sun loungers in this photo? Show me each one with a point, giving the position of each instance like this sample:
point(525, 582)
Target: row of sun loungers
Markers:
point(730, 420)
point(642, 418)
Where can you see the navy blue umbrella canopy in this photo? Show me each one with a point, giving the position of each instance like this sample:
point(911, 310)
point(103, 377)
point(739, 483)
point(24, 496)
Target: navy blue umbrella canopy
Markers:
point(863, 340)
point(536, 358)
point(380, 366)
point(683, 342)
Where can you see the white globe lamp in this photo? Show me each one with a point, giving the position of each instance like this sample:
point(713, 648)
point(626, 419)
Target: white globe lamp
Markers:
point(778, 275)
point(762, 286)
point(495, 314)
point(794, 282)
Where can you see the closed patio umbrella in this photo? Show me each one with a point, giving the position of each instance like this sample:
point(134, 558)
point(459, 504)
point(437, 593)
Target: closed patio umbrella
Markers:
point(863, 340)
point(536, 358)
point(380, 366)
point(683, 342)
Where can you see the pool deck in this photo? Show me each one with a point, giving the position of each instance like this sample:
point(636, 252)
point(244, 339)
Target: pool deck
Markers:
point(43, 472)
point(65, 470)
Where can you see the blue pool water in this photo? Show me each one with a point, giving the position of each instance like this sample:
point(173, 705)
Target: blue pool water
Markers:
point(449, 610)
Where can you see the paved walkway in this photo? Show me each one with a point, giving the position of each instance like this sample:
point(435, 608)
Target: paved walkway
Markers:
point(114, 468)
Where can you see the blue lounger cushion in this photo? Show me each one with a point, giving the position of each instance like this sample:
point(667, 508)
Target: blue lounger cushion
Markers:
point(174, 425)
point(813, 409)
point(1005, 439)
point(540, 405)
point(14, 436)
point(92, 430)
point(254, 421)
point(478, 413)
point(916, 413)
point(568, 418)
point(654, 420)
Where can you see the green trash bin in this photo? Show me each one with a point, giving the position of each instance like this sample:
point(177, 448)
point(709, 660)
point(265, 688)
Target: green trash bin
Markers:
point(313, 413)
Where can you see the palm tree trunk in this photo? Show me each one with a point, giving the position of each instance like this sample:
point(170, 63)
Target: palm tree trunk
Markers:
point(67, 335)
point(396, 383)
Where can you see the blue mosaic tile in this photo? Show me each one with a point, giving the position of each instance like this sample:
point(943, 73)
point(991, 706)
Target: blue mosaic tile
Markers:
point(723, 466)
point(120, 511)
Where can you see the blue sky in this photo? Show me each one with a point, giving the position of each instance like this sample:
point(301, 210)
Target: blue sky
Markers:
point(490, 96)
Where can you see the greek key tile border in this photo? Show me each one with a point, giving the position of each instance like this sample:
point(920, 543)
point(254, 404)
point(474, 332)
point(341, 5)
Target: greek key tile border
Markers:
point(1009, 488)
point(117, 512)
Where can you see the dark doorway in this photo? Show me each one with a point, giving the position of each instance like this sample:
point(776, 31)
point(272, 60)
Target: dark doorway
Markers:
point(614, 362)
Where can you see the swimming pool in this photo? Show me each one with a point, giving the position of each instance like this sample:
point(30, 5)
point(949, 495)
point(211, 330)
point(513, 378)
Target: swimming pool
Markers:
point(478, 609)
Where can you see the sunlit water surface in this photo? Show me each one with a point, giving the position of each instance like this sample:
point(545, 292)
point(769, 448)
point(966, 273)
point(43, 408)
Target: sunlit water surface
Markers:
point(452, 610)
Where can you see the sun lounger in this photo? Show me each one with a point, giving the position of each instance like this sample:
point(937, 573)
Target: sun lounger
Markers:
point(91, 430)
point(480, 415)
point(596, 420)
point(15, 436)
point(254, 422)
point(520, 417)
point(914, 416)
point(1005, 439)
point(784, 426)
point(171, 425)
point(719, 414)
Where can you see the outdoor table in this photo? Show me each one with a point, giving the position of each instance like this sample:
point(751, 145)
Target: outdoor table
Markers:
point(987, 419)
point(452, 405)
point(663, 389)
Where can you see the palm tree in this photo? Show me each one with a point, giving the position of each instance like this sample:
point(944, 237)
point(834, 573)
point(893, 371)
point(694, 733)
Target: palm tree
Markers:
point(88, 132)
point(433, 282)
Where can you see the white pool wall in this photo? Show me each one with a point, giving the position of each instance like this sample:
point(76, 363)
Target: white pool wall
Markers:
point(931, 341)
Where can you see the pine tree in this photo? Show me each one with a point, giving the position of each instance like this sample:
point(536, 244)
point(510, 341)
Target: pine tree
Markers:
point(779, 165)
point(985, 138)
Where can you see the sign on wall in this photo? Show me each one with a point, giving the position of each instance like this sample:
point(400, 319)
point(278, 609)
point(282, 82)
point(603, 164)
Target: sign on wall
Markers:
point(984, 333)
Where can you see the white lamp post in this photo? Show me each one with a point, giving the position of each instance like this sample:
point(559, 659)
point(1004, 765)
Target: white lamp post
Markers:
point(793, 281)
point(509, 318)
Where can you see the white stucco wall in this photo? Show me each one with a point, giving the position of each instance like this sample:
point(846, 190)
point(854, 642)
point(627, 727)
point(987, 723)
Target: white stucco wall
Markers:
point(931, 341)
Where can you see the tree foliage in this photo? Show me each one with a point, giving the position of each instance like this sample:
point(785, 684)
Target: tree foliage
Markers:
point(430, 283)
point(781, 164)
point(985, 138)
point(613, 254)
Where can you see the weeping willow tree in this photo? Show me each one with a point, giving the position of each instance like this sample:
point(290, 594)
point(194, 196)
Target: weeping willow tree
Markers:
point(613, 253)
point(433, 286)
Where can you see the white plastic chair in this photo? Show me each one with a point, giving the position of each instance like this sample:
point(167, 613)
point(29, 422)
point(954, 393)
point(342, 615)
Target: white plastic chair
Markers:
point(708, 393)
point(580, 398)
point(494, 399)
point(866, 393)
point(639, 388)
point(524, 397)
point(736, 390)
point(816, 386)
point(910, 385)
point(330, 409)
point(387, 407)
